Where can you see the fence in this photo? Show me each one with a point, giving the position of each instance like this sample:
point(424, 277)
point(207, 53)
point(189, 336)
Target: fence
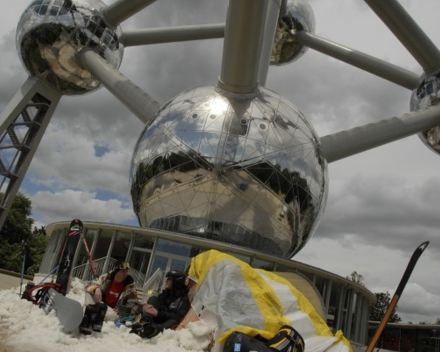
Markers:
point(84, 271)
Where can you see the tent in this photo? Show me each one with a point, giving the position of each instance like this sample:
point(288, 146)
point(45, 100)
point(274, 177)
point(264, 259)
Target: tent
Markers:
point(231, 296)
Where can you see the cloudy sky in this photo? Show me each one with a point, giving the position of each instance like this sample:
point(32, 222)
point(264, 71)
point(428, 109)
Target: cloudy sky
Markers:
point(382, 203)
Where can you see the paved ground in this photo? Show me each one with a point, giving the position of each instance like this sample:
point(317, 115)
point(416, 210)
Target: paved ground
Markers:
point(7, 281)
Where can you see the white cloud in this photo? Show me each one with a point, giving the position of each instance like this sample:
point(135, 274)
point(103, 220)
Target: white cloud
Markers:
point(418, 303)
point(66, 158)
point(69, 204)
point(382, 269)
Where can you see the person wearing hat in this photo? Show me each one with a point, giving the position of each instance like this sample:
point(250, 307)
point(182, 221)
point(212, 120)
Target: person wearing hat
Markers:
point(112, 287)
point(165, 310)
point(109, 290)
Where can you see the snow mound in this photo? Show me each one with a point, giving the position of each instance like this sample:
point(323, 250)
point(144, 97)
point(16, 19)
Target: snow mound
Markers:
point(25, 327)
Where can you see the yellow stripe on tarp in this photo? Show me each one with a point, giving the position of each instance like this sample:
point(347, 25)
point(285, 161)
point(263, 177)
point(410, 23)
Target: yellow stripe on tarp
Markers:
point(264, 295)
point(201, 264)
point(305, 306)
point(267, 301)
point(341, 338)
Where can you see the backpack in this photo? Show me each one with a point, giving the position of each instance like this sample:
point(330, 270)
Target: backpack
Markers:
point(287, 339)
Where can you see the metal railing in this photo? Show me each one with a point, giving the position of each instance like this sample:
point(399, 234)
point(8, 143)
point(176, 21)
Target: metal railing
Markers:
point(138, 277)
point(84, 271)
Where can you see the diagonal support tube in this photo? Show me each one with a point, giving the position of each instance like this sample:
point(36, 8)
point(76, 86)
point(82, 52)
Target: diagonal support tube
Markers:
point(359, 139)
point(244, 33)
point(133, 97)
point(270, 28)
point(409, 33)
point(383, 69)
point(121, 10)
point(169, 35)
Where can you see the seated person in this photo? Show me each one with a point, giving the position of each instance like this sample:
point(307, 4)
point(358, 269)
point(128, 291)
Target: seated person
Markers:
point(111, 289)
point(165, 310)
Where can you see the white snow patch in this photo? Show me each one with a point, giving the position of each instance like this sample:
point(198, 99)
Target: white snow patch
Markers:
point(26, 327)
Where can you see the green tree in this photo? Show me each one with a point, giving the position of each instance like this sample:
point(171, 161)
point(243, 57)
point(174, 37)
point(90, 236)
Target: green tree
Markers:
point(356, 278)
point(16, 231)
point(10, 255)
point(377, 312)
point(37, 244)
point(18, 223)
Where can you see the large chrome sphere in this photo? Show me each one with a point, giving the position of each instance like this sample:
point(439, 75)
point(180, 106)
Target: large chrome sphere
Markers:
point(243, 171)
point(51, 32)
point(296, 16)
point(426, 95)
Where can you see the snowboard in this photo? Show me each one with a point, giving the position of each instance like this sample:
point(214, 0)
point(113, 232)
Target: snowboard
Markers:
point(69, 312)
point(65, 265)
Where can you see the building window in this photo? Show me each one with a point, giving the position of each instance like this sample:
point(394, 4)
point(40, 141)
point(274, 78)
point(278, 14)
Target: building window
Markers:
point(103, 244)
point(121, 246)
point(174, 248)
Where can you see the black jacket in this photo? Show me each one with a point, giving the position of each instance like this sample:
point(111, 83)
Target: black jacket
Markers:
point(171, 306)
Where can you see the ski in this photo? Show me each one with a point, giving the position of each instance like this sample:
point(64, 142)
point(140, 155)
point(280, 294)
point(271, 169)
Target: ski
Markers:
point(89, 254)
point(403, 281)
point(65, 265)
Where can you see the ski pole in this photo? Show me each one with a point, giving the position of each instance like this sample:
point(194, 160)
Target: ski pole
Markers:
point(53, 270)
point(22, 266)
point(409, 269)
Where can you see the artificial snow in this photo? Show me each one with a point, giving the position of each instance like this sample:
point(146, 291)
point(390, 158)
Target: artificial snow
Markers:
point(25, 327)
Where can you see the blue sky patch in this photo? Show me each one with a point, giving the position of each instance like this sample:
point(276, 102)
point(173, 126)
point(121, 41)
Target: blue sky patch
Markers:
point(100, 150)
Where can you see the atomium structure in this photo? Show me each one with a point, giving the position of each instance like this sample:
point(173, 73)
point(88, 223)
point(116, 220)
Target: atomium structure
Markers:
point(235, 162)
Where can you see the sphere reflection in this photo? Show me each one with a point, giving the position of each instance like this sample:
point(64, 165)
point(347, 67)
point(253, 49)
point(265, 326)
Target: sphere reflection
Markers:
point(426, 95)
point(242, 171)
point(51, 32)
point(298, 16)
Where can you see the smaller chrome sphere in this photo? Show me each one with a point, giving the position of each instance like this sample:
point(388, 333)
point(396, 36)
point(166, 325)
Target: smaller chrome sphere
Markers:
point(51, 32)
point(426, 95)
point(296, 16)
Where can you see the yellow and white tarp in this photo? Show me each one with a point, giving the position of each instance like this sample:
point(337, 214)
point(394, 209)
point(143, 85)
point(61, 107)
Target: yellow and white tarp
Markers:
point(232, 296)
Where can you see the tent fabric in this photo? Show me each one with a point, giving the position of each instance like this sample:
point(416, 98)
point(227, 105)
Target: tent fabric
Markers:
point(232, 296)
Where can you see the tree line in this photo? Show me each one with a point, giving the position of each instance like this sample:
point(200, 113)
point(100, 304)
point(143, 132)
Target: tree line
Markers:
point(17, 237)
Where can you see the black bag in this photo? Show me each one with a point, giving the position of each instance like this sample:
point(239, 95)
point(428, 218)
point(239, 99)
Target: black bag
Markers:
point(287, 339)
point(239, 342)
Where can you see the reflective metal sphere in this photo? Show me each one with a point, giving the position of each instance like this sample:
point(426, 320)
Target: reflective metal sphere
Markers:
point(426, 95)
point(51, 32)
point(298, 16)
point(243, 171)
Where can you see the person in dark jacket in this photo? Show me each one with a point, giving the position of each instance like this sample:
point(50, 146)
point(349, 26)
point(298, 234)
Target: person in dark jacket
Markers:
point(165, 310)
